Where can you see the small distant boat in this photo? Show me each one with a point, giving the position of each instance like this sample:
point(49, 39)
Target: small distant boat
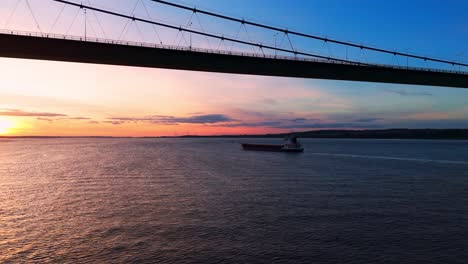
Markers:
point(290, 145)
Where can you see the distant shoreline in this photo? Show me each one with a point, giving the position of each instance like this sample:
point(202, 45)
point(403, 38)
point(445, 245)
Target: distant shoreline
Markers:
point(445, 134)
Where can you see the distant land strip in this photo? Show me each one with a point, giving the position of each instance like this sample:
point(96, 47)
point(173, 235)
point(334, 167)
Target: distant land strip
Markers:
point(450, 134)
point(454, 134)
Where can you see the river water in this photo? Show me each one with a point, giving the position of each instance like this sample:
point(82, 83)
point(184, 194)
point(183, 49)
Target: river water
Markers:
point(208, 201)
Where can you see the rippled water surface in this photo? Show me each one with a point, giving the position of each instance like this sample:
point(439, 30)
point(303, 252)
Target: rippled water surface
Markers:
point(207, 201)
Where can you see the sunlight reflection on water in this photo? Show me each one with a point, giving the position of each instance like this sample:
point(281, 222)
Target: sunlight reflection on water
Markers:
point(207, 201)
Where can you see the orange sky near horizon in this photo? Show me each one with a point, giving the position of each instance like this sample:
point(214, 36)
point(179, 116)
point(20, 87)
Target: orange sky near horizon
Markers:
point(71, 99)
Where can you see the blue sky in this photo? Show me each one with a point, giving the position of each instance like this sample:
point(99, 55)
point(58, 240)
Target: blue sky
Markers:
point(438, 28)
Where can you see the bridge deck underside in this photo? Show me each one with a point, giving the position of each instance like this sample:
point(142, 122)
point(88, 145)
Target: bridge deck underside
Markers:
point(26, 47)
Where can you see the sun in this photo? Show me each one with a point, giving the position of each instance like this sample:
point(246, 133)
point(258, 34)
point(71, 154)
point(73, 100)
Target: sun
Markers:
point(6, 125)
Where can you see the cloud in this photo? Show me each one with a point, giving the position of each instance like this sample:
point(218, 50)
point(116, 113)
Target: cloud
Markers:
point(431, 116)
point(45, 119)
point(254, 124)
point(270, 120)
point(64, 118)
point(17, 112)
point(269, 101)
point(93, 122)
point(298, 120)
point(78, 118)
point(246, 114)
point(114, 122)
point(130, 119)
point(199, 119)
point(302, 123)
point(407, 93)
point(174, 120)
point(368, 120)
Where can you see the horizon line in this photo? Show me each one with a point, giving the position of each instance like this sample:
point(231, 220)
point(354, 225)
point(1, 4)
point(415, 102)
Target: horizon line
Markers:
point(239, 135)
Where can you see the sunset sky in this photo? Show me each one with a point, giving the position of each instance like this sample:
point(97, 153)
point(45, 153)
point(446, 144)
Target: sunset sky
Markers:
point(39, 98)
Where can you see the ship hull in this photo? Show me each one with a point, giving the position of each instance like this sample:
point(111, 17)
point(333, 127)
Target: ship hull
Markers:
point(268, 147)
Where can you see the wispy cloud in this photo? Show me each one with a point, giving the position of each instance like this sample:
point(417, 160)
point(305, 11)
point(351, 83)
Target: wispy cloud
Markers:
point(114, 122)
point(299, 120)
point(45, 119)
point(368, 120)
point(254, 124)
point(269, 101)
point(403, 92)
point(174, 120)
point(18, 112)
point(247, 114)
point(78, 118)
point(279, 122)
point(58, 118)
point(199, 119)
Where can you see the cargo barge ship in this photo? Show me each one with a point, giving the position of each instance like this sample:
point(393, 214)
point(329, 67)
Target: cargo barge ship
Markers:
point(290, 145)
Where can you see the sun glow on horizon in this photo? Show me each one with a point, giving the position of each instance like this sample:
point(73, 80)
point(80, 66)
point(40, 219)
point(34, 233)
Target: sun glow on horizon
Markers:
point(6, 125)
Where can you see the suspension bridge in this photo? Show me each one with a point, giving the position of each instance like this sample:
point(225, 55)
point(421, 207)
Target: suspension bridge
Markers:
point(253, 57)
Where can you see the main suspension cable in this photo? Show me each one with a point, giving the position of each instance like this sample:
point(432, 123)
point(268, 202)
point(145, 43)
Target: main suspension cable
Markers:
point(286, 31)
point(222, 37)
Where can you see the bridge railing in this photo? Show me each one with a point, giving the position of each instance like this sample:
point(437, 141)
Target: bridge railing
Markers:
point(211, 51)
